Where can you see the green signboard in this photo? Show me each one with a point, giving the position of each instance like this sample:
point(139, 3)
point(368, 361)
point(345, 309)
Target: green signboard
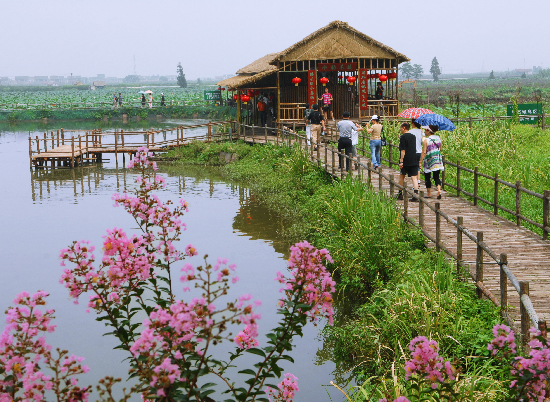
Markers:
point(212, 96)
point(529, 112)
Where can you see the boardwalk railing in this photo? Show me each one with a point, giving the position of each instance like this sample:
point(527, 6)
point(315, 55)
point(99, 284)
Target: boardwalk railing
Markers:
point(497, 184)
point(99, 105)
point(528, 315)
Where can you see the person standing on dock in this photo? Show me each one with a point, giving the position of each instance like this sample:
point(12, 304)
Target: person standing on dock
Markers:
point(327, 104)
point(162, 99)
point(375, 140)
point(408, 162)
point(431, 160)
point(417, 132)
point(115, 101)
point(317, 124)
point(120, 99)
point(345, 129)
point(262, 111)
point(150, 101)
point(143, 100)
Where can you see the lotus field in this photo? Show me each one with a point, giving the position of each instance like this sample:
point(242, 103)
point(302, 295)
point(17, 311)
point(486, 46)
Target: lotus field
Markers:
point(77, 98)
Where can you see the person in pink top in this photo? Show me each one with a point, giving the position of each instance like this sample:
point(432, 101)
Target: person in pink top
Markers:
point(327, 104)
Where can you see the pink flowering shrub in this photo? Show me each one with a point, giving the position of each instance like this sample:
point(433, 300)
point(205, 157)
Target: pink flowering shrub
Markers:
point(28, 367)
point(286, 390)
point(530, 375)
point(173, 348)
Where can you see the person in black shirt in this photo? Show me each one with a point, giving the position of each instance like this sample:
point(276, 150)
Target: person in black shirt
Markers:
point(317, 122)
point(379, 93)
point(408, 162)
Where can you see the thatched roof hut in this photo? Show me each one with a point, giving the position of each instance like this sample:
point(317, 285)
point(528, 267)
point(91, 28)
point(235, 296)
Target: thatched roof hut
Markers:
point(336, 52)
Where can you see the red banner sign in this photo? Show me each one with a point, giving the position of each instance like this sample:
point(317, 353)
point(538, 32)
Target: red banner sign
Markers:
point(323, 67)
point(312, 87)
point(363, 89)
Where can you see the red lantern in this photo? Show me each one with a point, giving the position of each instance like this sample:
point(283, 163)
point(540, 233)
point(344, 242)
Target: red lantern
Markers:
point(351, 80)
point(296, 80)
point(250, 93)
point(383, 78)
point(223, 89)
point(245, 98)
point(324, 81)
point(256, 92)
point(235, 97)
point(377, 75)
point(393, 76)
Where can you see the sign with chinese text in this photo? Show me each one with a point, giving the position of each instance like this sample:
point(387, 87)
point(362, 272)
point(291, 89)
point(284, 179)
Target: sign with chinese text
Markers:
point(363, 89)
point(212, 96)
point(529, 111)
point(324, 67)
point(312, 87)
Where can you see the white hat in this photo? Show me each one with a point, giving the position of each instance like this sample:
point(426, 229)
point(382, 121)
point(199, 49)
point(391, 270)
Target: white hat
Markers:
point(427, 128)
point(375, 117)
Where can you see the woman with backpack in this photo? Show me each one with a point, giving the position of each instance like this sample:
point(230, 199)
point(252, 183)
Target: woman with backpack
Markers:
point(431, 160)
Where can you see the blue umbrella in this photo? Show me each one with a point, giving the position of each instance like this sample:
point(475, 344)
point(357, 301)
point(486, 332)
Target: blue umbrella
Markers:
point(436, 120)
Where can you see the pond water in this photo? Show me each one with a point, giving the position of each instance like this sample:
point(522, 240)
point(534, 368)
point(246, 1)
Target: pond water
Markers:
point(45, 210)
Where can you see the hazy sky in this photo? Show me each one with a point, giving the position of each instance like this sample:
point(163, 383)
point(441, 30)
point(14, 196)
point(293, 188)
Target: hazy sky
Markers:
point(210, 38)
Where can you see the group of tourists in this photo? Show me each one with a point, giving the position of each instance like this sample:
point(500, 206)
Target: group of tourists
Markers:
point(117, 100)
point(266, 104)
point(149, 101)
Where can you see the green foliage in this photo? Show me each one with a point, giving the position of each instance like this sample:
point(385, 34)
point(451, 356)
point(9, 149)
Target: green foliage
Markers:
point(182, 82)
point(418, 70)
point(407, 70)
point(435, 71)
point(492, 75)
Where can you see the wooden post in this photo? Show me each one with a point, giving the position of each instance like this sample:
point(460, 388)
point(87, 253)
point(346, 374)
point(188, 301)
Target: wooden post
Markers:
point(210, 132)
point(503, 284)
point(405, 201)
point(62, 137)
point(458, 178)
point(475, 183)
point(116, 144)
point(122, 137)
point(525, 320)
point(253, 134)
point(326, 154)
point(342, 162)
point(30, 151)
point(80, 148)
point(437, 227)
point(72, 152)
point(518, 203)
point(333, 162)
point(380, 179)
point(420, 206)
point(460, 223)
point(37, 145)
point(495, 196)
point(369, 165)
point(57, 137)
point(392, 185)
point(545, 212)
point(470, 123)
point(443, 173)
point(265, 133)
point(479, 263)
point(153, 138)
point(45, 143)
point(53, 140)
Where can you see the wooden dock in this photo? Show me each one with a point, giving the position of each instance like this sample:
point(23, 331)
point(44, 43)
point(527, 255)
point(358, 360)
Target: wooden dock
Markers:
point(509, 264)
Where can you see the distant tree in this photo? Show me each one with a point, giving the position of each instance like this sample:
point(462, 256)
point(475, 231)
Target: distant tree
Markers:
point(418, 70)
point(523, 75)
point(407, 70)
point(435, 70)
point(131, 78)
point(492, 75)
point(182, 82)
point(198, 80)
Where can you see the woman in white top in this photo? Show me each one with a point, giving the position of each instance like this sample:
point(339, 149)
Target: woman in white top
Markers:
point(431, 160)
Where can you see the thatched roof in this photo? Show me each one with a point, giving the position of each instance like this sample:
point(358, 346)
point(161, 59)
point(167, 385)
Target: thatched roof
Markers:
point(338, 40)
point(241, 81)
point(260, 65)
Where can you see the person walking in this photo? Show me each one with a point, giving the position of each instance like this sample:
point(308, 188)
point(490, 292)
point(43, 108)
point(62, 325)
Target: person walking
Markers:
point(327, 104)
point(408, 162)
point(375, 140)
point(162, 99)
point(150, 101)
point(143, 100)
point(315, 118)
point(115, 101)
point(120, 99)
point(307, 112)
point(262, 110)
point(345, 129)
point(418, 134)
point(431, 160)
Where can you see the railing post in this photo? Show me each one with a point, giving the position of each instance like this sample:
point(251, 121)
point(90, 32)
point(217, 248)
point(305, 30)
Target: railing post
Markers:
point(72, 152)
point(30, 150)
point(479, 263)
point(57, 137)
point(380, 179)
point(458, 178)
point(326, 152)
point(420, 206)
point(116, 145)
point(265, 133)
point(369, 165)
point(518, 203)
point(122, 137)
point(475, 181)
point(392, 185)
point(459, 223)
point(443, 173)
point(253, 134)
point(358, 165)
point(503, 285)
point(545, 212)
point(525, 320)
point(495, 196)
point(210, 132)
point(341, 162)
point(62, 136)
point(405, 202)
point(437, 227)
point(333, 162)
point(45, 143)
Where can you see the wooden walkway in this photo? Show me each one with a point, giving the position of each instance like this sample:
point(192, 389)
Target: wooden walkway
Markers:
point(527, 254)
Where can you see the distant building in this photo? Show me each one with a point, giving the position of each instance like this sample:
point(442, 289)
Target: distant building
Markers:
point(99, 84)
point(100, 76)
point(523, 71)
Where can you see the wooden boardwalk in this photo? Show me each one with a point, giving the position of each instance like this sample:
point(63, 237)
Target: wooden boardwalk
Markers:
point(525, 267)
point(528, 255)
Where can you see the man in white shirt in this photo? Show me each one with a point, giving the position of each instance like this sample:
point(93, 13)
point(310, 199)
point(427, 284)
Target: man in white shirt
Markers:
point(418, 133)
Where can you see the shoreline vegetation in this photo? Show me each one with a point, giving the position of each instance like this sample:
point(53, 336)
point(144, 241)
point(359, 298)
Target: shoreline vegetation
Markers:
point(391, 288)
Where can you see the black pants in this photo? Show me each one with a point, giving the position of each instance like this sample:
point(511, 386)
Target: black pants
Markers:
point(344, 143)
point(428, 178)
point(263, 118)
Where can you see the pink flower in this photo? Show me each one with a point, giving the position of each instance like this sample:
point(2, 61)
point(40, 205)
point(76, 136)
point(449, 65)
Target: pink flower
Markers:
point(287, 389)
